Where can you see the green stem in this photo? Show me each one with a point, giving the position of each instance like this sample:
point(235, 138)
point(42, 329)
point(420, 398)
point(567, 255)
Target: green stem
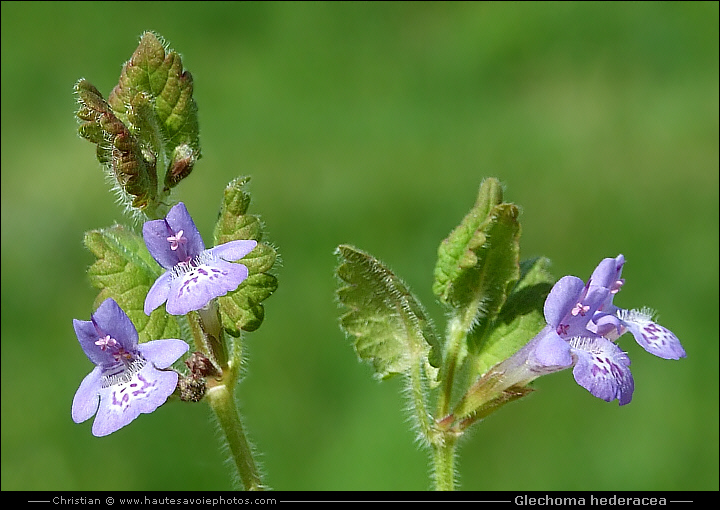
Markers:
point(444, 463)
point(208, 334)
point(210, 339)
point(417, 396)
point(445, 442)
point(222, 401)
point(452, 358)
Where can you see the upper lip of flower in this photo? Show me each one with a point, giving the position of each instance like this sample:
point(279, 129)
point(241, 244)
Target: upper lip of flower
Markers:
point(173, 239)
point(571, 305)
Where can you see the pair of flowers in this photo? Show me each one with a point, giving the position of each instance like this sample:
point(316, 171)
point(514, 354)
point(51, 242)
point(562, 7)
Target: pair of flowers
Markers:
point(130, 378)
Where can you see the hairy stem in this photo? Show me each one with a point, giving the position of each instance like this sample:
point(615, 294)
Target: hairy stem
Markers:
point(452, 358)
point(444, 463)
point(417, 398)
point(445, 443)
point(222, 401)
point(210, 338)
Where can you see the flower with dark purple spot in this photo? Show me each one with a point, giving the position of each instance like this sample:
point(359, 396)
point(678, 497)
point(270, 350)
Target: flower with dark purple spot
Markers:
point(600, 366)
point(193, 275)
point(582, 326)
point(128, 378)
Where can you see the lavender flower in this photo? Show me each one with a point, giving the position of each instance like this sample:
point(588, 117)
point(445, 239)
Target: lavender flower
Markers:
point(583, 324)
point(194, 275)
point(128, 378)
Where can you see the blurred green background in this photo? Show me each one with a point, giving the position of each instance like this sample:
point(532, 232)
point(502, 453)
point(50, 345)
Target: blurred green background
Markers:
point(373, 124)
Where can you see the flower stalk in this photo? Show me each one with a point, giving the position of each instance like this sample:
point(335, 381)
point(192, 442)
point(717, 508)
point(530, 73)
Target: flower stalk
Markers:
point(222, 402)
point(210, 338)
point(444, 463)
point(209, 320)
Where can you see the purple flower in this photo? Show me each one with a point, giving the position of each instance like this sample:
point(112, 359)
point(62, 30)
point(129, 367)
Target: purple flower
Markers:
point(194, 275)
point(128, 378)
point(583, 324)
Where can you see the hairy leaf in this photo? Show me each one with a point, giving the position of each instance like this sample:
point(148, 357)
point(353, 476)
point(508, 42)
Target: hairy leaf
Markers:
point(155, 95)
point(148, 125)
point(118, 150)
point(390, 326)
point(456, 253)
point(478, 263)
point(243, 309)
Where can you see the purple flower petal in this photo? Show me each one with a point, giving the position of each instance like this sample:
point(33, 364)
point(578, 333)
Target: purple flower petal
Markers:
point(606, 325)
point(195, 288)
point(174, 239)
point(607, 276)
point(570, 305)
point(179, 219)
point(562, 298)
point(607, 273)
point(602, 369)
point(577, 322)
point(86, 400)
point(551, 350)
point(651, 336)
point(114, 321)
point(158, 293)
point(122, 402)
point(163, 353)
point(88, 333)
point(234, 250)
point(108, 320)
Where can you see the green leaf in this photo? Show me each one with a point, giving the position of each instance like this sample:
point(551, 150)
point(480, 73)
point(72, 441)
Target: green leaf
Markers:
point(478, 263)
point(521, 317)
point(455, 253)
point(390, 326)
point(118, 150)
point(243, 309)
point(125, 271)
point(155, 97)
point(234, 223)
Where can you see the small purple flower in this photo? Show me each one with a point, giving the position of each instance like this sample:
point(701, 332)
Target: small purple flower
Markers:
point(583, 324)
point(194, 275)
point(128, 378)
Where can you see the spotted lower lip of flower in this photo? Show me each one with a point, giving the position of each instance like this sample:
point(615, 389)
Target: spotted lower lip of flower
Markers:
point(193, 275)
point(601, 367)
point(129, 378)
point(651, 336)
